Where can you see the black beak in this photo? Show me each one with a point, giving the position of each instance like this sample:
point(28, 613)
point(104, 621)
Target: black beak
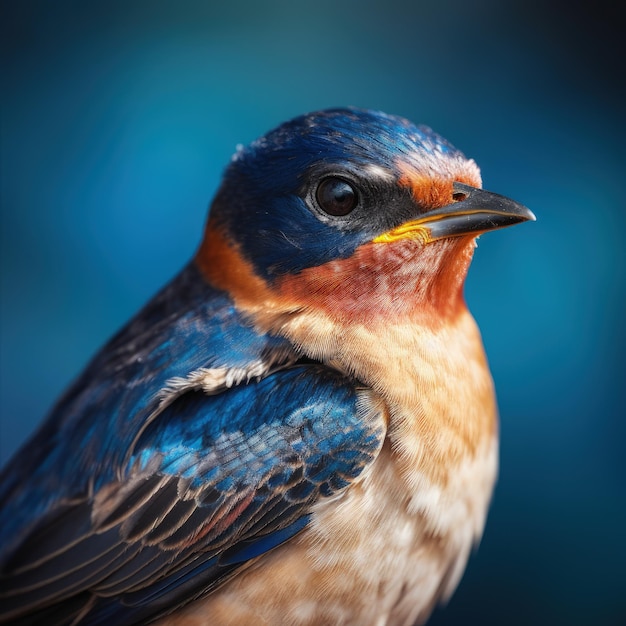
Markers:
point(474, 211)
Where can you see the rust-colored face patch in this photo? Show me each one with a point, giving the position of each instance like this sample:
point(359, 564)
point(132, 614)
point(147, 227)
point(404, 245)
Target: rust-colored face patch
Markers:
point(433, 192)
point(386, 282)
point(377, 282)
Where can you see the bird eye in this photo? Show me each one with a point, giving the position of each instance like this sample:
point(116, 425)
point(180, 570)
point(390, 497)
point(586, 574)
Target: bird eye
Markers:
point(336, 196)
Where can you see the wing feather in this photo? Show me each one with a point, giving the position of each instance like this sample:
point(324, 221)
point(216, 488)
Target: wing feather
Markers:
point(211, 482)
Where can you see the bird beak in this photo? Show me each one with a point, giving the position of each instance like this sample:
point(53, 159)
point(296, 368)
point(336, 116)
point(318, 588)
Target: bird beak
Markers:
point(475, 211)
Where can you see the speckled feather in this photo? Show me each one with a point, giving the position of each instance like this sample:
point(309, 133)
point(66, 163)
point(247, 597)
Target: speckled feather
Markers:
point(301, 428)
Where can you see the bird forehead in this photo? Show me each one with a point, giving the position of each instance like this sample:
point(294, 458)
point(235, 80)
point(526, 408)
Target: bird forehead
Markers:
point(430, 181)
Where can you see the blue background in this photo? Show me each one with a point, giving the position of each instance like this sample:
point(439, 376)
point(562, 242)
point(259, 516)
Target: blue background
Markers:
point(118, 120)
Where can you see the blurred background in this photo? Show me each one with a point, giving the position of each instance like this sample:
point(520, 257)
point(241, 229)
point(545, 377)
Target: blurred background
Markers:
point(118, 119)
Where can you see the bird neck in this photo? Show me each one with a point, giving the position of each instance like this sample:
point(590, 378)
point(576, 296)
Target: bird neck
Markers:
point(390, 282)
point(433, 379)
point(392, 316)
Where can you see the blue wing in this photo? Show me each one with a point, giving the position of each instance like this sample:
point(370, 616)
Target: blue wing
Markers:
point(188, 326)
point(212, 482)
point(203, 486)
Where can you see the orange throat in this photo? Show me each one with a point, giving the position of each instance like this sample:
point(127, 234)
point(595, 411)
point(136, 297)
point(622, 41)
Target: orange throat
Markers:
point(394, 317)
point(388, 280)
point(380, 281)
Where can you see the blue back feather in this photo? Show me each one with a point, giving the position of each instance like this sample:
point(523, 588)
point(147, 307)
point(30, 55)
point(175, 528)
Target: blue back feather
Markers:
point(187, 326)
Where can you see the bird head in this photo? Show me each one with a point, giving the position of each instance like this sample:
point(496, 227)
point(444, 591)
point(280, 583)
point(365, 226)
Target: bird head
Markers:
point(354, 212)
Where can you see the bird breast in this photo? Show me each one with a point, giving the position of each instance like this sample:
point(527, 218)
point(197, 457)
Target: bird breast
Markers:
point(392, 545)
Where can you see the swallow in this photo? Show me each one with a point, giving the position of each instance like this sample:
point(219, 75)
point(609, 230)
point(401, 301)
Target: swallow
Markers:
point(301, 427)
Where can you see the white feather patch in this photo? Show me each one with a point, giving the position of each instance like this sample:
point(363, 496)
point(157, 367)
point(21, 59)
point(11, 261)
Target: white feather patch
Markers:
point(215, 379)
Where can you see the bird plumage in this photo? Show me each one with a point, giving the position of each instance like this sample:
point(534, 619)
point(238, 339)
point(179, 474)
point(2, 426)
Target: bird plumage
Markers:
point(301, 427)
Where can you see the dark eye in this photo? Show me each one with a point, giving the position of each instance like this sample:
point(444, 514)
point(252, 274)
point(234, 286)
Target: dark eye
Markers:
point(336, 196)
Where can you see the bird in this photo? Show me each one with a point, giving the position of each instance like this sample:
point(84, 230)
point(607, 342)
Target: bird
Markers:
point(301, 427)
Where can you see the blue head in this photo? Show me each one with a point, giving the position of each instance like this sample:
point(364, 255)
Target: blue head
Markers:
point(323, 184)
